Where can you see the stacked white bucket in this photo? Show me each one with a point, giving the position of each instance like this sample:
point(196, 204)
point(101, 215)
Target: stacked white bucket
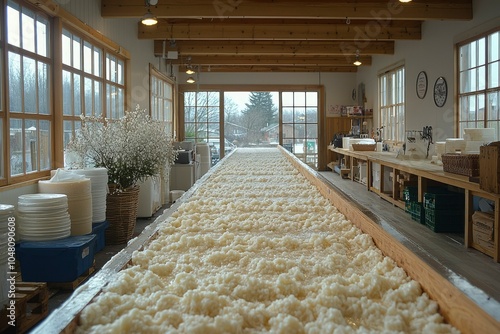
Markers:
point(6, 212)
point(78, 190)
point(99, 189)
point(203, 150)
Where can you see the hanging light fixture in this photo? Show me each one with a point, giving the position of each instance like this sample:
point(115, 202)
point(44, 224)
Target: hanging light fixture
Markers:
point(190, 70)
point(190, 80)
point(357, 62)
point(405, 1)
point(149, 19)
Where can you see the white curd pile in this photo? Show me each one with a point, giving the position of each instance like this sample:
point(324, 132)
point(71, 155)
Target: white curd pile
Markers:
point(257, 249)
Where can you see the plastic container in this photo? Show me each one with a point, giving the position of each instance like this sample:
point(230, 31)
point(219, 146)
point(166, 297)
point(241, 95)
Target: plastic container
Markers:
point(61, 260)
point(99, 230)
point(445, 220)
point(443, 201)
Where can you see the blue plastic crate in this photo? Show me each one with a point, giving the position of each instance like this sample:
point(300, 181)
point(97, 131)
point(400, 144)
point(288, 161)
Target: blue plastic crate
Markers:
point(62, 260)
point(99, 230)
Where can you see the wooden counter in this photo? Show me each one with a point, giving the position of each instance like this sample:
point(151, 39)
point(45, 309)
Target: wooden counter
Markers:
point(425, 171)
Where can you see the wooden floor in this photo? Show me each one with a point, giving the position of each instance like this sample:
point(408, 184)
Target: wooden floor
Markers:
point(474, 273)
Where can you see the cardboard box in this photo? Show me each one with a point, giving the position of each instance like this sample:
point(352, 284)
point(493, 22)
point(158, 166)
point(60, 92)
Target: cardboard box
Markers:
point(483, 225)
point(62, 260)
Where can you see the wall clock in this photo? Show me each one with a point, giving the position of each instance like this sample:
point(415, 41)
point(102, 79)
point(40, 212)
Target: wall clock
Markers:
point(440, 92)
point(421, 85)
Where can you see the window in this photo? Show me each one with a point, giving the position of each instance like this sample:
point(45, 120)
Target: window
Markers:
point(479, 83)
point(201, 116)
point(86, 78)
point(29, 86)
point(251, 119)
point(392, 104)
point(82, 81)
point(162, 93)
point(300, 125)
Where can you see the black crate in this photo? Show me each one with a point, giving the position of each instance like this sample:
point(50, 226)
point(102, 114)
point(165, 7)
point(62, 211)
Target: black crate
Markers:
point(445, 220)
point(444, 201)
point(416, 211)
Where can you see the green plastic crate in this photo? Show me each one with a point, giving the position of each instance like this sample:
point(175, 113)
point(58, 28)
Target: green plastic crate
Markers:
point(445, 220)
point(416, 211)
point(410, 194)
point(444, 201)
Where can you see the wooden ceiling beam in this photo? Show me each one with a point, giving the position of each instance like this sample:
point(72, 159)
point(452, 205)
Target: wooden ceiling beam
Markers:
point(362, 9)
point(330, 48)
point(272, 60)
point(269, 68)
point(409, 30)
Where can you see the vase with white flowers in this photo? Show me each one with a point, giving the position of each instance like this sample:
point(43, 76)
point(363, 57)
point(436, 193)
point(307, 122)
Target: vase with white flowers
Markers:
point(131, 148)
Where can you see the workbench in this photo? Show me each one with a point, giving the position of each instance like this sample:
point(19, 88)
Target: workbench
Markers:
point(425, 171)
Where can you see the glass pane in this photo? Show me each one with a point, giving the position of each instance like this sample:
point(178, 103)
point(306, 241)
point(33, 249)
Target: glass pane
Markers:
point(120, 72)
point(14, 24)
point(28, 32)
point(88, 94)
point(67, 132)
point(481, 52)
point(189, 114)
point(42, 37)
point(493, 100)
point(16, 147)
point(77, 107)
point(311, 131)
point(312, 115)
point(494, 47)
point(67, 82)
point(213, 114)
point(493, 75)
point(189, 130)
point(87, 57)
point(66, 48)
point(44, 139)
point(189, 99)
point(31, 145)
point(120, 102)
point(15, 83)
point(97, 98)
point(481, 108)
point(97, 62)
point(30, 93)
point(287, 99)
point(287, 115)
point(202, 115)
point(481, 77)
point(312, 99)
point(299, 115)
point(299, 99)
point(77, 61)
point(43, 89)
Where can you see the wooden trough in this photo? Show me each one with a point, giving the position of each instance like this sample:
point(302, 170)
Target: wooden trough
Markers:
point(455, 306)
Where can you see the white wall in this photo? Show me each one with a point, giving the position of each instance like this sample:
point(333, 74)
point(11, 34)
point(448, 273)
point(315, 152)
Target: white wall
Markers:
point(434, 54)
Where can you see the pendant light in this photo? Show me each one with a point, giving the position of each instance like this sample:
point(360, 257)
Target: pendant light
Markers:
point(190, 80)
point(405, 1)
point(357, 62)
point(149, 19)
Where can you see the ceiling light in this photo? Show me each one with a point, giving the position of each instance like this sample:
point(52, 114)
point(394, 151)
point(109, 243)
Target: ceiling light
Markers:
point(357, 62)
point(190, 71)
point(405, 1)
point(190, 80)
point(149, 19)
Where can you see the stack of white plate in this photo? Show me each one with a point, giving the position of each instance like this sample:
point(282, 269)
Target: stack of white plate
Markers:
point(99, 188)
point(6, 212)
point(79, 201)
point(42, 217)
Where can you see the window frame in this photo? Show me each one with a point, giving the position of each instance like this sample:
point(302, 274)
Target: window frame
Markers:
point(477, 99)
point(392, 114)
point(157, 110)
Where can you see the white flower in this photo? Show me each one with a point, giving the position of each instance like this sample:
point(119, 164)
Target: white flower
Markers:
point(131, 148)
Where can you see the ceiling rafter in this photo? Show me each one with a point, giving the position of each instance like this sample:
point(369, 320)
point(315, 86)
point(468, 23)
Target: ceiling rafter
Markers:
point(283, 35)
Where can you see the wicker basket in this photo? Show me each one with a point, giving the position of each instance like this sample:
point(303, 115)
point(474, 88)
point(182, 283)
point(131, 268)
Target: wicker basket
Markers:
point(121, 213)
point(364, 147)
point(463, 164)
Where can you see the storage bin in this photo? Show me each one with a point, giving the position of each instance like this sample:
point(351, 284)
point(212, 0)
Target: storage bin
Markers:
point(99, 230)
point(62, 260)
point(416, 211)
point(442, 201)
point(445, 220)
